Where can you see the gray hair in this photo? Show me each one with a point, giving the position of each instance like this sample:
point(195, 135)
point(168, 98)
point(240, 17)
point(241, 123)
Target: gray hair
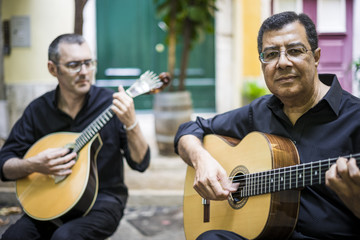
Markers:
point(72, 38)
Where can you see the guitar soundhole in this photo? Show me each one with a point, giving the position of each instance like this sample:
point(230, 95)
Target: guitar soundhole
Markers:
point(236, 200)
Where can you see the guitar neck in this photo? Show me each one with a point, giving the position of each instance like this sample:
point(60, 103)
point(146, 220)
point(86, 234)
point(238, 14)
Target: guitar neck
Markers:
point(287, 178)
point(148, 82)
point(93, 128)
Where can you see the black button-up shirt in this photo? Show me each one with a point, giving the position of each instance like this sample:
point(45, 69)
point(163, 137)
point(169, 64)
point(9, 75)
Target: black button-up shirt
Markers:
point(43, 117)
point(328, 130)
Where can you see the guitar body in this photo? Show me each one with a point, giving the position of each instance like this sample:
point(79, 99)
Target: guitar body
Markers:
point(43, 199)
point(265, 216)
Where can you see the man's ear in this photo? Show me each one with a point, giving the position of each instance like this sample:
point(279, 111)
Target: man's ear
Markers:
point(317, 54)
point(52, 68)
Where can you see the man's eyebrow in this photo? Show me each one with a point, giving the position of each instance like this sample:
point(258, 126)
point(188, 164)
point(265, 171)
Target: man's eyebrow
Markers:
point(271, 48)
point(290, 45)
point(295, 44)
point(79, 61)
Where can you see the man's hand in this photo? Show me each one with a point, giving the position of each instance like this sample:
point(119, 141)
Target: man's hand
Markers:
point(123, 107)
point(211, 180)
point(54, 161)
point(344, 179)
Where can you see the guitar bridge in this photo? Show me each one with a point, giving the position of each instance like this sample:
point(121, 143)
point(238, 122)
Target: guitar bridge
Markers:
point(206, 204)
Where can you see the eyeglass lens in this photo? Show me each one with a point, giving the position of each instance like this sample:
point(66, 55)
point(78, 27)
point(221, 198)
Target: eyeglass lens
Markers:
point(76, 66)
point(272, 55)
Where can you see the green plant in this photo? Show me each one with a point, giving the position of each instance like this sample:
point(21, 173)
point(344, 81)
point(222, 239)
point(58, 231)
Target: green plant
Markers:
point(188, 21)
point(252, 90)
point(357, 64)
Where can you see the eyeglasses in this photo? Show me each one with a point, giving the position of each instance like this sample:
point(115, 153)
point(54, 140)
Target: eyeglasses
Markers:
point(294, 53)
point(75, 66)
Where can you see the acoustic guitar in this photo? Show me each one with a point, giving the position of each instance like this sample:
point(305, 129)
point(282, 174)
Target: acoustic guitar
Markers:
point(47, 197)
point(270, 178)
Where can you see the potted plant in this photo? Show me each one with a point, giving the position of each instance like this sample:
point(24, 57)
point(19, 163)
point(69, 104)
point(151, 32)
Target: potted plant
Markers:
point(187, 22)
point(252, 89)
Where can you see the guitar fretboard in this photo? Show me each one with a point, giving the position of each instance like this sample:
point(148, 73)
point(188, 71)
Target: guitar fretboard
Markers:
point(287, 178)
point(93, 128)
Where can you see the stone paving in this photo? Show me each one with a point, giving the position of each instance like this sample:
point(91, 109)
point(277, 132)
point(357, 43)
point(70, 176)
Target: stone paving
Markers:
point(139, 223)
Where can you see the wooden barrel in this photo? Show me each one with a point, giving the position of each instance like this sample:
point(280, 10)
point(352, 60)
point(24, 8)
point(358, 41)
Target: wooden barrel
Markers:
point(170, 110)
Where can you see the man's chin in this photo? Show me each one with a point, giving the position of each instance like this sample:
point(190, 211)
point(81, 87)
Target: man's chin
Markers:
point(83, 87)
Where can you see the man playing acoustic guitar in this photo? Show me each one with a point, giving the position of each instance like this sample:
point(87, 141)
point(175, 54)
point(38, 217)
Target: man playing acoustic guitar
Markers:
point(315, 116)
point(71, 107)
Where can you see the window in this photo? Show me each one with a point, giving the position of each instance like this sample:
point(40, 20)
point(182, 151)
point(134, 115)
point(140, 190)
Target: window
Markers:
point(331, 16)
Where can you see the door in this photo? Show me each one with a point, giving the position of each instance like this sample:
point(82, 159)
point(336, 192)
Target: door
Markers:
point(131, 40)
point(334, 23)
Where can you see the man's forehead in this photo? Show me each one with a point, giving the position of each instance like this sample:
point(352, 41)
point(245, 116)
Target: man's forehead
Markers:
point(287, 35)
point(74, 51)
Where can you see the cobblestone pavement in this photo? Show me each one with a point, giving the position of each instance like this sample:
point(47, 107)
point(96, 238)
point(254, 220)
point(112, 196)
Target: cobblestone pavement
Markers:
point(139, 223)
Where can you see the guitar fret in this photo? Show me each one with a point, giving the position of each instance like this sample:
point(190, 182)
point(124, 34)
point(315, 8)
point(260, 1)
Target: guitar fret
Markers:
point(253, 186)
point(274, 180)
point(263, 178)
point(270, 180)
point(258, 183)
point(284, 180)
point(265, 182)
point(303, 176)
point(296, 177)
point(290, 178)
point(246, 185)
point(279, 179)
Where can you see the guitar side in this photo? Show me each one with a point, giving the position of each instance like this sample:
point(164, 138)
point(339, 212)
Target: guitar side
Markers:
point(43, 199)
point(258, 217)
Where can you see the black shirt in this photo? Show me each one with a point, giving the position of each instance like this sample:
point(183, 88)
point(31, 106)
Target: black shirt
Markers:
point(328, 130)
point(43, 117)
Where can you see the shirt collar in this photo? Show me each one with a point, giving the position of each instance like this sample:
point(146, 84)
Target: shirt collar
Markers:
point(332, 97)
point(57, 92)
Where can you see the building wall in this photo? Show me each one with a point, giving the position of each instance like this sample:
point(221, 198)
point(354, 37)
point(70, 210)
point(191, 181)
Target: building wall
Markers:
point(25, 69)
point(237, 24)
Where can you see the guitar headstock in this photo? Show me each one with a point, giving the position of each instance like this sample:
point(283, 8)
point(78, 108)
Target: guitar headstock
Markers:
point(150, 83)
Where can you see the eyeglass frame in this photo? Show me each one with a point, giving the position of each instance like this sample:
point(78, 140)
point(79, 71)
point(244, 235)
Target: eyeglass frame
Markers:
point(78, 69)
point(285, 52)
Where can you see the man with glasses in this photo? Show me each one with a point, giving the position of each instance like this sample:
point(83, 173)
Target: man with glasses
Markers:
point(71, 107)
point(312, 110)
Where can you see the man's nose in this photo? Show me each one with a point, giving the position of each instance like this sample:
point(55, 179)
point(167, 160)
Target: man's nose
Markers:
point(283, 60)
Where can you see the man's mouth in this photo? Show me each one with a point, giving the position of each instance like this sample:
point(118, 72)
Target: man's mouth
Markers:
point(285, 78)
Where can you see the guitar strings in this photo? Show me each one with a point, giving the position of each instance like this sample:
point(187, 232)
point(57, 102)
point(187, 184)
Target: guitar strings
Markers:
point(305, 166)
point(275, 179)
point(274, 172)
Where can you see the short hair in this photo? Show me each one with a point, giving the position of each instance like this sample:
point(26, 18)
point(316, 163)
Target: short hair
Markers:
point(277, 21)
point(72, 38)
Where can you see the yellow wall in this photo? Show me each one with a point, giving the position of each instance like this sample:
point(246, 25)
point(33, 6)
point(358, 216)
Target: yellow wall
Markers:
point(48, 18)
point(251, 24)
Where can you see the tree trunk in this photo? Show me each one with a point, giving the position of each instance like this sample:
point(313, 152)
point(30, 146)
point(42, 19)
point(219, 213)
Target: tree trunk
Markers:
point(185, 55)
point(172, 42)
point(79, 8)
